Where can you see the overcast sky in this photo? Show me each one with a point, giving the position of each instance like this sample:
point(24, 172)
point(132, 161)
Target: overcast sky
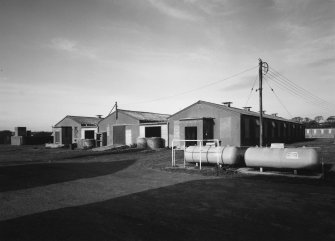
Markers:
point(77, 57)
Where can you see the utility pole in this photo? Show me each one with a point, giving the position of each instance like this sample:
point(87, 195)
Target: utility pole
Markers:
point(260, 74)
point(116, 114)
point(116, 110)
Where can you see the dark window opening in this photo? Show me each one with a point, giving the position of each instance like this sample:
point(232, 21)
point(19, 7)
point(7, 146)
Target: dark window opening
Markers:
point(89, 134)
point(154, 131)
point(191, 134)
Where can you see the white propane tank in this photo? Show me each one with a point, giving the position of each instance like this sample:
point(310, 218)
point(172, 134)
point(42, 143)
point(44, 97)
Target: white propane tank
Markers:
point(290, 158)
point(211, 154)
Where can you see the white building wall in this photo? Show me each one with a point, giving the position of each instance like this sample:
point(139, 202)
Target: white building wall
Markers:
point(83, 129)
point(128, 137)
point(142, 131)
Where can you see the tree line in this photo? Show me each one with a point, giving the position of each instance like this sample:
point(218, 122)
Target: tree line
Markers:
point(317, 122)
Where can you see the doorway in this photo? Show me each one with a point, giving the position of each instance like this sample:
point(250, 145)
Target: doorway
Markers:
point(191, 133)
point(119, 135)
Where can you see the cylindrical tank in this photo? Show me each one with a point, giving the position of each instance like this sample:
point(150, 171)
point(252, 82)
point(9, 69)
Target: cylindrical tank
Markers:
point(154, 142)
point(141, 142)
point(290, 158)
point(211, 154)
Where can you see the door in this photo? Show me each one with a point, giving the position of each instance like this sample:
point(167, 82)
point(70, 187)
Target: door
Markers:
point(191, 134)
point(104, 138)
point(119, 135)
point(208, 130)
point(66, 135)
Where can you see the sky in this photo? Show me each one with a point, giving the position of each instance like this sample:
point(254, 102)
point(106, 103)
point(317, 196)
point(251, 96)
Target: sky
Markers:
point(78, 57)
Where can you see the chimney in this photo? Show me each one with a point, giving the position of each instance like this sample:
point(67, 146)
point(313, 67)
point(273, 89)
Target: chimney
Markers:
point(227, 103)
point(99, 116)
point(247, 108)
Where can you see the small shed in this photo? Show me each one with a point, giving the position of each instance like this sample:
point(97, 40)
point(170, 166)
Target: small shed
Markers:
point(73, 128)
point(123, 127)
point(232, 126)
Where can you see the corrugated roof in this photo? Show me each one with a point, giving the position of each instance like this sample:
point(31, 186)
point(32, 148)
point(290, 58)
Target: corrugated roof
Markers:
point(84, 120)
point(146, 116)
point(237, 110)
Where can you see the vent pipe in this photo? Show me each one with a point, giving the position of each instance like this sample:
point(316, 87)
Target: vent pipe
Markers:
point(99, 116)
point(247, 108)
point(274, 114)
point(227, 103)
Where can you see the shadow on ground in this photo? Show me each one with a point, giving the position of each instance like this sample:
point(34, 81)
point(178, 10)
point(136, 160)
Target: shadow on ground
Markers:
point(33, 175)
point(219, 209)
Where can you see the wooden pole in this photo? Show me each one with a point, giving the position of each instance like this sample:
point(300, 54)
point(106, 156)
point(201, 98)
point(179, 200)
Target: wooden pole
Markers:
point(260, 74)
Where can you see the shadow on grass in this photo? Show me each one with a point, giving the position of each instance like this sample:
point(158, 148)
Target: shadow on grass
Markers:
point(220, 209)
point(33, 175)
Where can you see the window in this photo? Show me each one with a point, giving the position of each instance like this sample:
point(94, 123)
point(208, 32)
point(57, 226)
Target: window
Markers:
point(89, 135)
point(153, 131)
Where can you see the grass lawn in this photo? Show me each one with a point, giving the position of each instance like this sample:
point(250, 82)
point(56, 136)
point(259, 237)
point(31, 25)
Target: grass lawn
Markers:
point(230, 207)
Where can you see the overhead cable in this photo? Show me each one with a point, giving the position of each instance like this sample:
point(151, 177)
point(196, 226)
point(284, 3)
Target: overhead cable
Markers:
point(198, 88)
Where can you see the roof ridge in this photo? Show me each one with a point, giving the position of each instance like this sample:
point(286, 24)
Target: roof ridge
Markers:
point(236, 110)
point(83, 116)
point(143, 112)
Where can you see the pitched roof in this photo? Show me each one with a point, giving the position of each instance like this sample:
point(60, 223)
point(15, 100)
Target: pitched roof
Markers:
point(145, 116)
point(85, 120)
point(82, 120)
point(236, 110)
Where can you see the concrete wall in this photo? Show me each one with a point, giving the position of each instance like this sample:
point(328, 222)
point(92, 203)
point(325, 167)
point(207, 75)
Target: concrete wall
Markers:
point(274, 131)
point(132, 125)
point(17, 140)
point(164, 131)
point(83, 129)
point(226, 123)
point(76, 128)
point(320, 133)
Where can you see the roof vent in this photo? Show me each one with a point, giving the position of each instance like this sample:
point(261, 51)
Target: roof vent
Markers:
point(227, 103)
point(99, 116)
point(263, 111)
point(274, 114)
point(247, 108)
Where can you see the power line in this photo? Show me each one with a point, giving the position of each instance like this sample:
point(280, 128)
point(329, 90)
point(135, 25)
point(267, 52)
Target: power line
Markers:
point(295, 88)
point(251, 91)
point(296, 92)
point(302, 89)
point(279, 100)
point(303, 93)
point(195, 89)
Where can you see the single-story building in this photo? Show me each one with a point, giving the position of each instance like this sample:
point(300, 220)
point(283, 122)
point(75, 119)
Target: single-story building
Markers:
point(231, 126)
point(320, 133)
point(123, 127)
point(73, 128)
